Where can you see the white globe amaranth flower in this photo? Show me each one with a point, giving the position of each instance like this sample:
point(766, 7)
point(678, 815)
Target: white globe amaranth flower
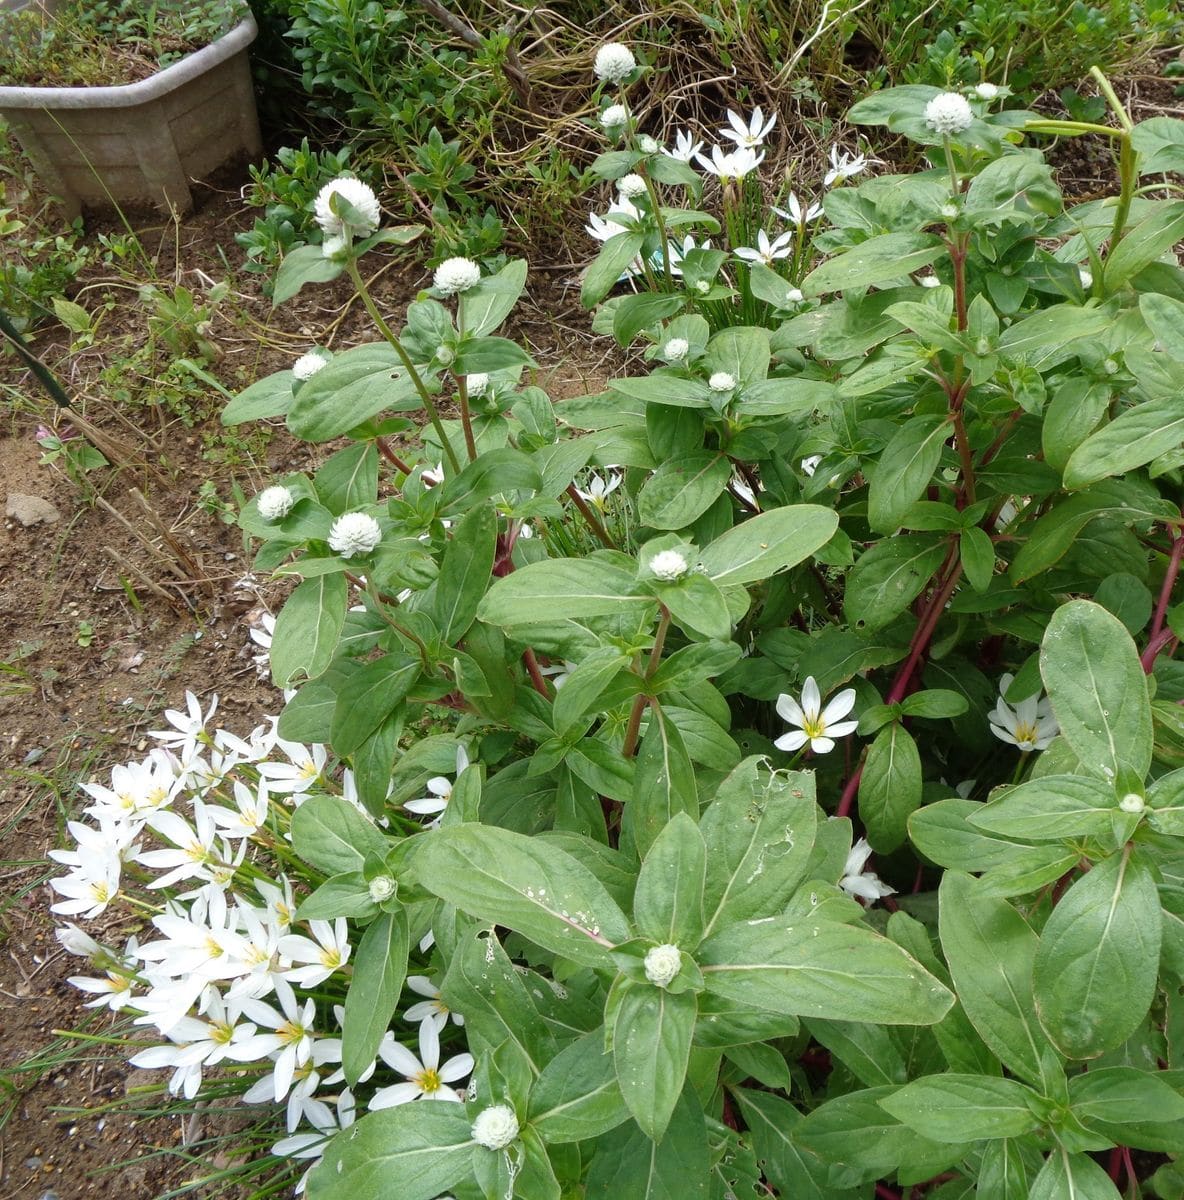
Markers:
point(794, 295)
point(495, 1127)
point(676, 349)
point(662, 964)
point(445, 356)
point(307, 365)
point(381, 887)
point(1110, 366)
point(1086, 276)
point(1132, 802)
point(631, 186)
point(668, 565)
point(614, 63)
point(950, 211)
point(477, 384)
point(986, 91)
point(353, 534)
point(949, 113)
point(455, 275)
point(614, 116)
point(929, 281)
point(702, 287)
point(721, 381)
point(360, 196)
point(274, 503)
point(647, 144)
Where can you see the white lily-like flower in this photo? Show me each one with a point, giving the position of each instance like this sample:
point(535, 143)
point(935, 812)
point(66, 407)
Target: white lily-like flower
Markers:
point(312, 1145)
point(291, 1039)
point(843, 166)
point(817, 725)
point(319, 958)
point(433, 1008)
point(603, 228)
point(1030, 725)
point(188, 728)
point(795, 214)
point(136, 790)
point(752, 134)
point(300, 773)
point(766, 251)
point(730, 165)
point(423, 1076)
point(864, 885)
point(685, 146)
point(440, 789)
point(599, 489)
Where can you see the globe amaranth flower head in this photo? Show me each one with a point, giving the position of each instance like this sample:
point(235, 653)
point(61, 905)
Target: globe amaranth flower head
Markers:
point(668, 565)
point(949, 113)
point(662, 964)
point(986, 91)
point(354, 534)
point(614, 63)
point(631, 186)
point(676, 349)
point(614, 116)
point(721, 381)
point(360, 197)
point(495, 1127)
point(455, 275)
point(274, 503)
point(307, 365)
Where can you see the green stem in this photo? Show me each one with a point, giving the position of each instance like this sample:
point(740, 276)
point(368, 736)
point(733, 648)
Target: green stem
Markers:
point(1112, 99)
point(951, 166)
point(652, 191)
point(462, 392)
point(429, 404)
point(629, 748)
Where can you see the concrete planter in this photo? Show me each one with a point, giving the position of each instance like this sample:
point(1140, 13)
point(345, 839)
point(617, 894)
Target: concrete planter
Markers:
point(141, 143)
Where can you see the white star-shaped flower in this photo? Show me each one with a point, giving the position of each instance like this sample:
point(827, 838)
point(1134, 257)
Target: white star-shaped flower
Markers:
point(817, 725)
point(1030, 725)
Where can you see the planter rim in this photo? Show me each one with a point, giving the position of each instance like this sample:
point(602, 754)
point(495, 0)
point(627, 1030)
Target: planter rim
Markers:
point(143, 90)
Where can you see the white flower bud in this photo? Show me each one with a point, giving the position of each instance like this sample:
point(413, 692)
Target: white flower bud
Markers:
point(647, 144)
point(662, 964)
point(702, 287)
point(614, 63)
point(360, 197)
point(614, 116)
point(721, 381)
point(1132, 802)
point(456, 275)
point(676, 349)
point(631, 186)
point(949, 113)
point(930, 281)
point(950, 212)
point(495, 1127)
point(1110, 366)
point(307, 365)
point(76, 941)
point(668, 565)
point(477, 383)
point(445, 356)
point(274, 503)
point(794, 296)
point(1086, 276)
point(986, 91)
point(381, 887)
point(354, 533)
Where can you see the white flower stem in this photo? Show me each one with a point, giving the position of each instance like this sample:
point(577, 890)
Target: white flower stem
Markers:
point(429, 404)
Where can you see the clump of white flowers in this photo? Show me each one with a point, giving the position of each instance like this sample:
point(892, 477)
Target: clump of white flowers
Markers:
point(662, 964)
point(274, 503)
point(668, 565)
point(721, 381)
point(495, 1127)
point(354, 534)
point(307, 365)
point(338, 231)
point(948, 113)
point(456, 275)
point(614, 63)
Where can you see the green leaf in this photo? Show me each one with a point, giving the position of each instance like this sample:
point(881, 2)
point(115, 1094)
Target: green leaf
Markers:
point(683, 489)
point(489, 354)
point(307, 630)
point(1050, 808)
point(344, 895)
point(372, 693)
point(352, 388)
point(1123, 1095)
point(1096, 968)
point(1098, 691)
point(465, 573)
point(412, 1152)
point(665, 388)
point(486, 305)
point(373, 762)
point(270, 396)
point(890, 787)
point(607, 267)
point(1131, 440)
point(889, 576)
point(990, 950)
point(878, 260)
point(759, 832)
point(1067, 1176)
point(794, 1170)
point(495, 472)
point(349, 479)
point(663, 784)
point(1160, 144)
point(305, 264)
point(632, 314)
point(379, 968)
point(1156, 233)
point(1045, 336)
point(741, 351)
point(977, 553)
point(867, 1051)
point(577, 1096)
point(1165, 319)
point(905, 469)
point(651, 1048)
point(964, 1108)
point(560, 588)
point(529, 885)
point(760, 547)
point(331, 835)
point(628, 1166)
point(817, 968)
point(668, 903)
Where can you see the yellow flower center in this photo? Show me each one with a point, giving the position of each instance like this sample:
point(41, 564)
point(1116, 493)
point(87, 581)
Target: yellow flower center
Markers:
point(428, 1080)
point(290, 1031)
point(331, 958)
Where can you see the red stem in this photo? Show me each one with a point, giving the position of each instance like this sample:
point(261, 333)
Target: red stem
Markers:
point(391, 457)
point(1157, 640)
point(536, 676)
point(886, 1193)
